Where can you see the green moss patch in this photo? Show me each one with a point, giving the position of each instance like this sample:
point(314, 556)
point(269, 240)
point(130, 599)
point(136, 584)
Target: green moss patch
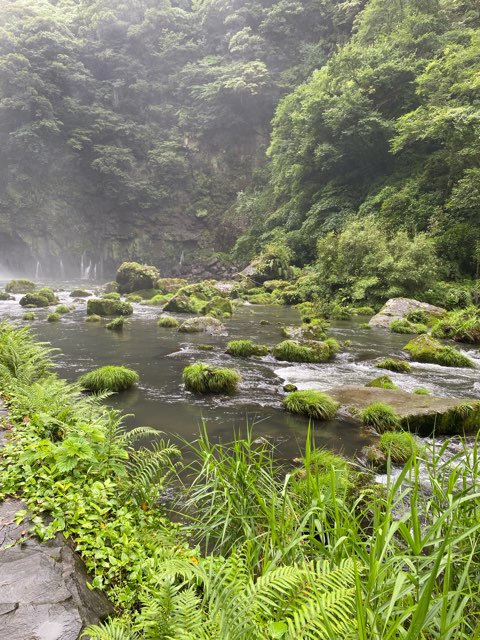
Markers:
point(20, 285)
point(382, 382)
point(394, 364)
point(117, 324)
point(132, 276)
point(109, 378)
point(405, 326)
point(80, 293)
point(54, 317)
point(313, 404)
point(427, 349)
point(218, 307)
point(34, 300)
point(204, 378)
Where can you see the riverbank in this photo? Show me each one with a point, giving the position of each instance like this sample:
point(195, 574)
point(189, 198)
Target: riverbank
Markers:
point(352, 547)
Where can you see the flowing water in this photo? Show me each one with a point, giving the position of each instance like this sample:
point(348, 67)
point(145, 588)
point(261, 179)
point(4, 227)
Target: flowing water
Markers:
point(159, 355)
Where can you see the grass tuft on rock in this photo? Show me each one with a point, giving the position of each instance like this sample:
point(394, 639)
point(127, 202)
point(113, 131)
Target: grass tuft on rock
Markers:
point(109, 378)
point(117, 324)
point(205, 378)
point(394, 364)
point(405, 326)
point(54, 317)
point(168, 322)
point(29, 316)
point(246, 348)
point(49, 294)
point(427, 349)
point(308, 351)
point(313, 404)
point(381, 417)
point(93, 318)
point(421, 391)
point(382, 382)
point(62, 309)
point(400, 446)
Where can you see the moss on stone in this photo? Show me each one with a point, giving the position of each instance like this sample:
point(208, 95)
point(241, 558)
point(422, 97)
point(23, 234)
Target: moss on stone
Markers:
point(246, 348)
point(394, 364)
point(133, 297)
point(93, 318)
point(103, 307)
point(4, 296)
point(170, 285)
point(204, 378)
point(426, 349)
point(261, 298)
point(181, 303)
point(421, 391)
point(62, 309)
point(29, 316)
point(405, 326)
point(202, 324)
point(20, 285)
point(80, 293)
point(49, 294)
point(310, 331)
point(113, 295)
point(34, 300)
point(218, 307)
point(382, 382)
point(381, 417)
point(117, 324)
point(132, 276)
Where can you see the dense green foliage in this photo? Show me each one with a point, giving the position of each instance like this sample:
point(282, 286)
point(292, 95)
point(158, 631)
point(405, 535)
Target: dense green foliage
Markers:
point(382, 382)
point(304, 553)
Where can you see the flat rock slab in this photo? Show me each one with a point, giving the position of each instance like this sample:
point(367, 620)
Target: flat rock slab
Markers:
point(399, 308)
point(417, 412)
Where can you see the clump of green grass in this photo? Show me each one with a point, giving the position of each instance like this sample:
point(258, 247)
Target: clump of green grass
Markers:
point(427, 349)
point(205, 378)
point(400, 446)
point(54, 317)
point(394, 364)
point(205, 347)
point(246, 348)
point(28, 316)
point(308, 351)
point(93, 318)
point(381, 417)
point(112, 295)
point(405, 326)
point(314, 404)
point(168, 322)
point(109, 378)
point(364, 325)
point(382, 382)
point(62, 309)
point(117, 324)
point(421, 391)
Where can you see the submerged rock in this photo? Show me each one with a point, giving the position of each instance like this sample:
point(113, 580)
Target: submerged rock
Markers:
point(418, 413)
point(399, 308)
point(204, 324)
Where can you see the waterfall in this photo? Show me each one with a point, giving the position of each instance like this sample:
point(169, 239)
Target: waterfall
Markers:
point(87, 271)
point(82, 261)
point(181, 258)
point(95, 272)
point(38, 270)
point(62, 270)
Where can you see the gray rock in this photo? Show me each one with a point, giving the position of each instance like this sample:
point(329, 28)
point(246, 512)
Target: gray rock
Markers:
point(202, 324)
point(399, 308)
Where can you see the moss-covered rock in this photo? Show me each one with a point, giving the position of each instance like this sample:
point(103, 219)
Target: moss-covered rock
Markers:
point(182, 303)
point(34, 300)
point(261, 298)
point(103, 307)
point(288, 388)
point(132, 276)
point(113, 295)
point(205, 290)
point(117, 324)
point(382, 382)
point(54, 317)
point(426, 349)
point(311, 331)
point(160, 300)
point(168, 322)
point(218, 307)
point(307, 351)
point(109, 378)
point(246, 348)
point(62, 309)
point(170, 285)
point(80, 293)
point(313, 404)
point(405, 326)
point(109, 287)
point(204, 378)
point(29, 316)
point(20, 285)
point(133, 297)
point(421, 391)
point(394, 364)
point(4, 296)
point(203, 324)
point(49, 294)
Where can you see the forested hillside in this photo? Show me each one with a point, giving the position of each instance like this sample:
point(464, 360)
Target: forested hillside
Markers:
point(381, 142)
point(128, 127)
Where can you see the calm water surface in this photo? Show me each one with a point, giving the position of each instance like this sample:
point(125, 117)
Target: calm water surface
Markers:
point(160, 355)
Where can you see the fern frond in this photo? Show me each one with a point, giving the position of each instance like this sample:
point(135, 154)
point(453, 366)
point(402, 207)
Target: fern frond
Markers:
point(111, 630)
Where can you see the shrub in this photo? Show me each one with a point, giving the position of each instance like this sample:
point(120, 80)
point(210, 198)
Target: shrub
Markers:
point(93, 318)
point(381, 417)
point(34, 300)
point(102, 307)
point(362, 311)
point(21, 285)
point(427, 349)
point(313, 404)
point(47, 293)
point(80, 293)
point(132, 276)
point(205, 378)
point(462, 325)
point(117, 324)
point(62, 309)
point(308, 351)
point(393, 364)
point(246, 348)
point(168, 322)
point(405, 326)
point(28, 316)
point(109, 378)
point(399, 446)
point(54, 317)
point(418, 316)
point(382, 382)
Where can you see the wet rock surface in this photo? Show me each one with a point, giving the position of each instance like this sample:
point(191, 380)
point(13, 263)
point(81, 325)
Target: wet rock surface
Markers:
point(399, 308)
point(43, 585)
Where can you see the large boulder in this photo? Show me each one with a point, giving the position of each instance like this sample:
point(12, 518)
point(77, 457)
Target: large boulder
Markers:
point(204, 324)
point(106, 307)
point(132, 276)
point(400, 308)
